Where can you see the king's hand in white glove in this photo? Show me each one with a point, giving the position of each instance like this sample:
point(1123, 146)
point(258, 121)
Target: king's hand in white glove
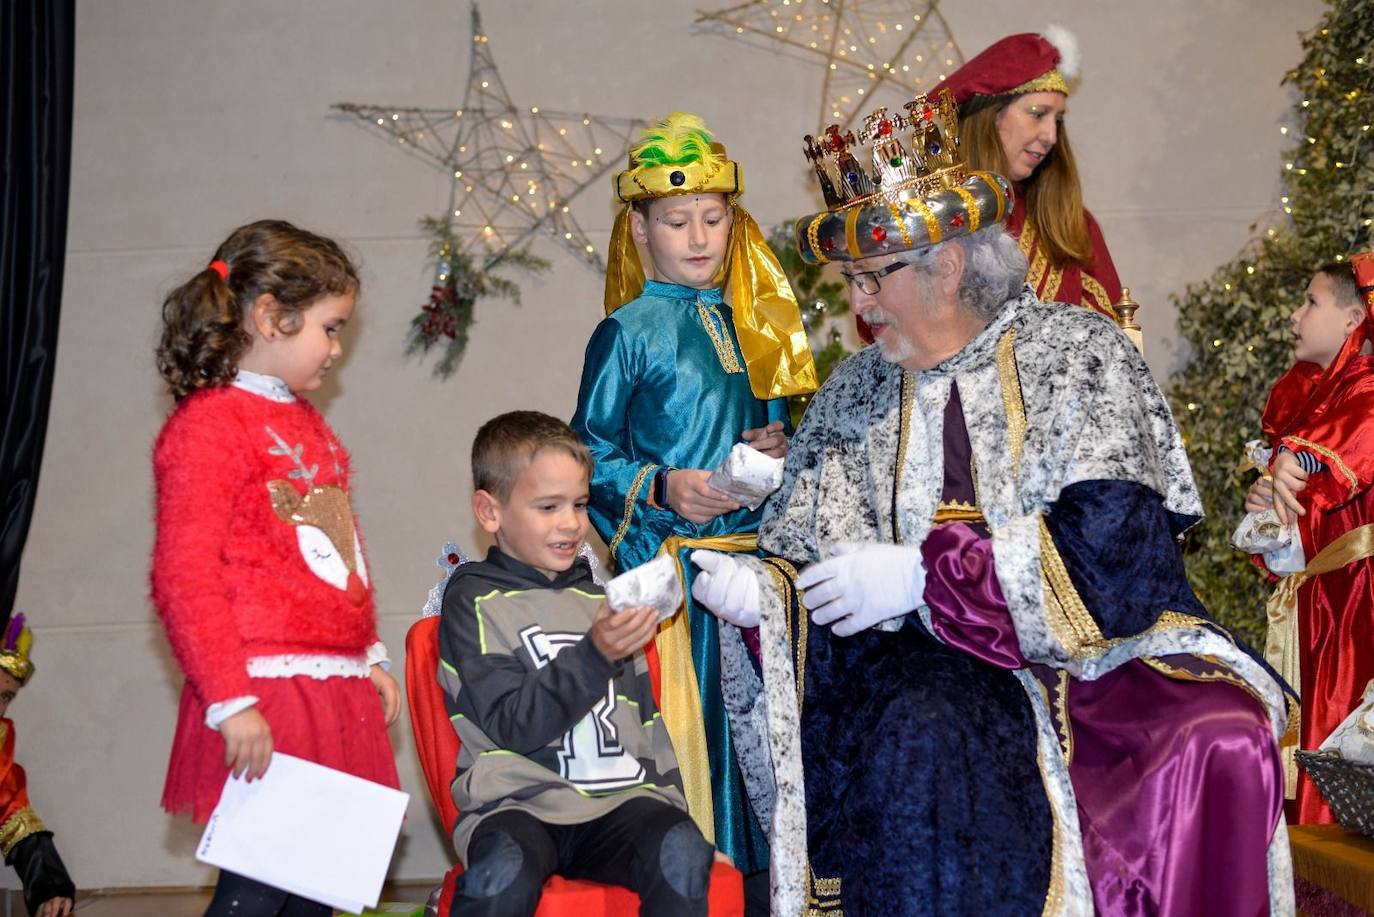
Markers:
point(863, 584)
point(728, 588)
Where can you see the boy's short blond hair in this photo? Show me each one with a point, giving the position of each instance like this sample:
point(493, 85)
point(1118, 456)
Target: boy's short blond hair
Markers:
point(508, 442)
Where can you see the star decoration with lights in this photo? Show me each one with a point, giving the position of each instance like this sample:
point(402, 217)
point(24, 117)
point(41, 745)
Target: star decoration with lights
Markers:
point(515, 171)
point(888, 50)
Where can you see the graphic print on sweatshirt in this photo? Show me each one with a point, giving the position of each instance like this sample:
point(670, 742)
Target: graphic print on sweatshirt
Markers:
point(323, 519)
point(591, 756)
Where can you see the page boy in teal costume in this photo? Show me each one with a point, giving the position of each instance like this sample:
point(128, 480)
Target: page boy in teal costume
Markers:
point(674, 377)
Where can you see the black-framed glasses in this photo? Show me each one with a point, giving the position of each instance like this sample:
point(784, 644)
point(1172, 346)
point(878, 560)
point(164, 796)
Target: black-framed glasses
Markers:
point(867, 281)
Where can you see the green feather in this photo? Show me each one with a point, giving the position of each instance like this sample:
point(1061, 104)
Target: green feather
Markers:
point(677, 140)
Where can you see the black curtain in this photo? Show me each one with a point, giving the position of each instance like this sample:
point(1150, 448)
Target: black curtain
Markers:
point(37, 44)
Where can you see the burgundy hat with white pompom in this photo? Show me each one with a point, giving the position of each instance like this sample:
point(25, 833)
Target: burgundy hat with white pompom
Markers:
point(1017, 64)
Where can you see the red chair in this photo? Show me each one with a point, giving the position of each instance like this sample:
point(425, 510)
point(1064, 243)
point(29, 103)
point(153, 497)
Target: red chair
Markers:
point(437, 745)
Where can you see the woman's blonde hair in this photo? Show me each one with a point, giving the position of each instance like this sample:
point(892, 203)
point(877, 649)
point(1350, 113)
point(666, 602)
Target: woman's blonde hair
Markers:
point(1054, 198)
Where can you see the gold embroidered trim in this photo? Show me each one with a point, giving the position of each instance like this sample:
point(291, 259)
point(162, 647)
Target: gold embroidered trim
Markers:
point(17, 827)
point(1050, 81)
point(1054, 894)
point(1061, 705)
point(785, 576)
point(851, 232)
point(996, 187)
point(896, 212)
point(1224, 675)
point(1335, 459)
point(1097, 291)
point(630, 499)
point(720, 337)
point(958, 511)
point(928, 216)
point(1053, 280)
point(903, 438)
point(813, 236)
point(823, 895)
point(1011, 396)
point(971, 204)
point(1073, 616)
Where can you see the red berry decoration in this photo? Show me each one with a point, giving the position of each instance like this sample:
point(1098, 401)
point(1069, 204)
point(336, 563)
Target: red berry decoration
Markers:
point(879, 233)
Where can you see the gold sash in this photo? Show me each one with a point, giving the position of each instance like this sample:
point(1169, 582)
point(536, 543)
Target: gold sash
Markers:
point(1281, 645)
point(679, 697)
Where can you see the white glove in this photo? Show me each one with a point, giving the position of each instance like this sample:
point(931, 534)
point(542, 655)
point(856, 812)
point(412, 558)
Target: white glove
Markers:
point(728, 588)
point(863, 584)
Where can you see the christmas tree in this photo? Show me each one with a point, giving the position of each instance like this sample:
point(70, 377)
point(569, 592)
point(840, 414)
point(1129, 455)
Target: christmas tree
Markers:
point(1237, 322)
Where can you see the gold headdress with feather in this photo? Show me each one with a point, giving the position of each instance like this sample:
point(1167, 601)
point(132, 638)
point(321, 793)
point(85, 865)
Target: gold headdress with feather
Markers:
point(678, 156)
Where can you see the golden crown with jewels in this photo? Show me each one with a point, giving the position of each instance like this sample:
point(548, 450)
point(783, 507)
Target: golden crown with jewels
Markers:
point(916, 192)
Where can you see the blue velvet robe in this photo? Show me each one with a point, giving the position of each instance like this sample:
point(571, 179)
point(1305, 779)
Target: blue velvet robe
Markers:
point(664, 384)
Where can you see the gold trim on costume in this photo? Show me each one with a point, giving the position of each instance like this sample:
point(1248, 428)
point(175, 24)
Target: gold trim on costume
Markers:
point(1051, 81)
point(1061, 701)
point(630, 497)
point(823, 897)
point(928, 215)
point(720, 337)
point(997, 190)
point(851, 231)
point(17, 827)
point(679, 695)
point(903, 437)
point(958, 511)
point(1341, 466)
point(896, 210)
point(812, 236)
point(1070, 617)
point(785, 578)
point(1091, 287)
point(971, 204)
point(1054, 894)
point(1010, 378)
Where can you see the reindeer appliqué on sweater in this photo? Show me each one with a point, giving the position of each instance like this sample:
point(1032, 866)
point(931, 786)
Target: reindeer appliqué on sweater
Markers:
point(323, 519)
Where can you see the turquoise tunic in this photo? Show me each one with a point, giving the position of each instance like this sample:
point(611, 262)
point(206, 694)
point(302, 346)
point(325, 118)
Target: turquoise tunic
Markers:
point(664, 383)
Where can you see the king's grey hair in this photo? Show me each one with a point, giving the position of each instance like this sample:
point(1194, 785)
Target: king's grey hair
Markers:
point(994, 269)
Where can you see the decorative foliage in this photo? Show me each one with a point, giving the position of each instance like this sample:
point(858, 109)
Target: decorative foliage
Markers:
point(871, 50)
point(1237, 321)
point(514, 169)
point(444, 321)
point(818, 299)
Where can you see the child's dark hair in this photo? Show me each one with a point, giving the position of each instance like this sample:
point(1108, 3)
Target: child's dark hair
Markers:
point(1343, 285)
point(204, 321)
point(508, 442)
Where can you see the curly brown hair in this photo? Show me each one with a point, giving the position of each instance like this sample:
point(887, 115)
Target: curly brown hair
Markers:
point(205, 329)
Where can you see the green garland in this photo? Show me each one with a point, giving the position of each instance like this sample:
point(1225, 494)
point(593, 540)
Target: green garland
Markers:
point(1237, 322)
point(445, 320)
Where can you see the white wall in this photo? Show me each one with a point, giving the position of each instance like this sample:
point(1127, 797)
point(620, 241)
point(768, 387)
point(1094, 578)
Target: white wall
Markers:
point(192, 118)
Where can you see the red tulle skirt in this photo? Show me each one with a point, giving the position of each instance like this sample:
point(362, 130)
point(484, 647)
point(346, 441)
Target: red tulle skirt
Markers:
point(337, 722)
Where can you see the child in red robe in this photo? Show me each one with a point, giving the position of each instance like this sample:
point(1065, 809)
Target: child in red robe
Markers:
point(1320, 421)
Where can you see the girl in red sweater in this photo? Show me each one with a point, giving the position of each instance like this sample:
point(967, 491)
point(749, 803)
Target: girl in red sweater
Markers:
point(258, 570)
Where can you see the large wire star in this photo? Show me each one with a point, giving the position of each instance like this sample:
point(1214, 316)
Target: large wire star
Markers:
point(514, 170)
point(875, 52)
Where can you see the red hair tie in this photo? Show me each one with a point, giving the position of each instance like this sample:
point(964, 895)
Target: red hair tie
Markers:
point(220, 268)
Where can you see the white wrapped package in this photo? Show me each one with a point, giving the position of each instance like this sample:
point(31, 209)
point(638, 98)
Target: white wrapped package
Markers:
point(653, 585)
point(747, 475)
point(1354, 737)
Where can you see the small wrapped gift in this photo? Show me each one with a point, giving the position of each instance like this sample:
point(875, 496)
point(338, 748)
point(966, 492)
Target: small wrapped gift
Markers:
point(747, 475)
point(1262, 532)
point(653, 585)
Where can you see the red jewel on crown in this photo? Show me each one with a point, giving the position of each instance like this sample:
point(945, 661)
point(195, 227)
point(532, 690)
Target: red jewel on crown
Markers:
point(884, 128)
point(957, 221)
point(928, 113)
point(879, 233)
point(453, 558)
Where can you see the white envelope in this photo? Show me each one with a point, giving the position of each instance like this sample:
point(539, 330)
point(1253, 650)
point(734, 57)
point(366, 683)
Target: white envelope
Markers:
point(307, 829)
